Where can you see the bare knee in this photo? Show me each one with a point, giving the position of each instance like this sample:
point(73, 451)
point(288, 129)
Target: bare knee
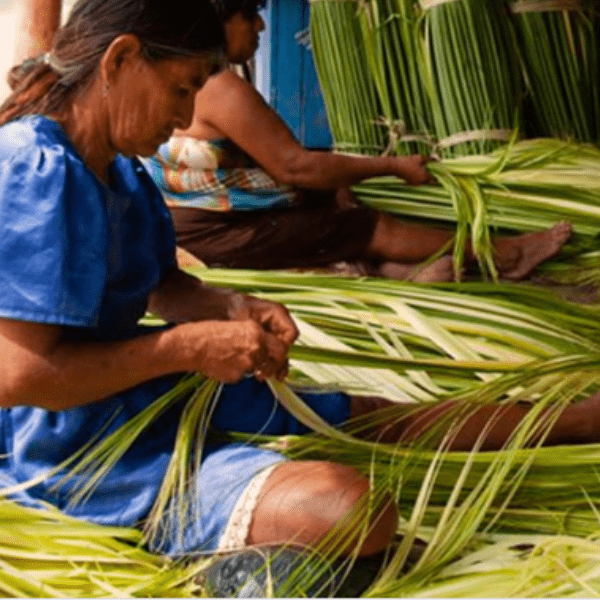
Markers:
point(302, 501)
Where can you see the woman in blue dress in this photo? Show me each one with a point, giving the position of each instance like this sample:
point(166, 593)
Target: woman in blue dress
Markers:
point(87, 246)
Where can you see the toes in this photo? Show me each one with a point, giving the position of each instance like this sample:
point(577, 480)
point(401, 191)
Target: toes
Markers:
point(562, 232)
point(442, 270)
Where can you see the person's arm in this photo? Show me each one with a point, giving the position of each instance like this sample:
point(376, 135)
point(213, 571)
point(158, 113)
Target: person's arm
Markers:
point(182, 297)
point(238, 335)
point(38, 22)
point(232, 107)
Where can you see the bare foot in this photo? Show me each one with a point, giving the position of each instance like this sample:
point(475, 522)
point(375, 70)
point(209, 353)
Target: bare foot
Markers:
point(517, 257)
point(438, 271)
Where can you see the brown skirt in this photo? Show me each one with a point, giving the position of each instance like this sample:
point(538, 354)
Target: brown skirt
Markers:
point(275, 239)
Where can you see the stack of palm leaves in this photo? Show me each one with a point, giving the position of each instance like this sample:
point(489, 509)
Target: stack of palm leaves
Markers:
point(473, 74)
point(524, 186)
point(559, 43)
point(45, 554)
point(444, 71)
point(395, 56)
point(351, 99)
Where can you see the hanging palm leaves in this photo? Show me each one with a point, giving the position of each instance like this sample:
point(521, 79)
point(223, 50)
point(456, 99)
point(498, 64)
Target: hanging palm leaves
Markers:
point(340, 58)
point(473, 74)
point(559, 42)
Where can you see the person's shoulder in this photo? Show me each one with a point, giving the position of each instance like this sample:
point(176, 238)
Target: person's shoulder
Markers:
point(225, 84)
point(28, 132)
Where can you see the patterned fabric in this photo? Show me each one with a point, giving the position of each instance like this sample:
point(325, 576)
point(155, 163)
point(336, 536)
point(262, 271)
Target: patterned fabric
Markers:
point(214, 175)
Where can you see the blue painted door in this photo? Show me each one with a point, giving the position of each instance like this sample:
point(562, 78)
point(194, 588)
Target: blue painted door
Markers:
point(286, 73)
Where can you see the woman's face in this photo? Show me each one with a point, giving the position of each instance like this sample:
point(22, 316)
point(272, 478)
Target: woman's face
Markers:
point(149, 100)
point(241, 33)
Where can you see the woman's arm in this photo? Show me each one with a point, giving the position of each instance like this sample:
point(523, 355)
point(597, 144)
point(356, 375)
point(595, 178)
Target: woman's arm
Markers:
point(237, 335)
point(231, 107)
point(182, 297)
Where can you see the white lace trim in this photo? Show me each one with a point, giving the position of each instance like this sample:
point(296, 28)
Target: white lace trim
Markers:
point(236, 531)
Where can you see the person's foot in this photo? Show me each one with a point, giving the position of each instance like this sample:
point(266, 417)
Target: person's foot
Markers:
point(441, 270)
point(518, 256)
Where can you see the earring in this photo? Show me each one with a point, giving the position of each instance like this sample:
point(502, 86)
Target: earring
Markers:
point(106, 89)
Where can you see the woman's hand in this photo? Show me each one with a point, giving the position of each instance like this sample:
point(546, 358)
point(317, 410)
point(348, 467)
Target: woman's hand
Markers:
point(274, 318)
point(229, 350)
point(413, 169)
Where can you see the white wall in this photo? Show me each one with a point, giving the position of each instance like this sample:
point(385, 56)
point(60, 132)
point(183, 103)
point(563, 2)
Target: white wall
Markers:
point(9, 24)
point(8, 31)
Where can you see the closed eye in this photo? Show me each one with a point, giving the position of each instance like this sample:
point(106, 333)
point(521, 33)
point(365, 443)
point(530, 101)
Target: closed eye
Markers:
point(184, 92)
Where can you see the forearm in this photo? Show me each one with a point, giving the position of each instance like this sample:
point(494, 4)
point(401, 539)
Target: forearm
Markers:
point(182, 297)
point(329, 170)
point(73, 374)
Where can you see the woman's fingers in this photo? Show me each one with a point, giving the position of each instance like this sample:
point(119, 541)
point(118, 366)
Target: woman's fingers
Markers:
point(275, 362)
point(230, 350)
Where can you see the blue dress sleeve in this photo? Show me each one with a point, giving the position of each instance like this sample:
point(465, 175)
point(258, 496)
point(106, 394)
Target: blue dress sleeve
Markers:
point(53, 232)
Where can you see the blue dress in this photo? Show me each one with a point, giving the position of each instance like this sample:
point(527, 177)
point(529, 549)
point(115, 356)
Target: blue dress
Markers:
point(76, 253)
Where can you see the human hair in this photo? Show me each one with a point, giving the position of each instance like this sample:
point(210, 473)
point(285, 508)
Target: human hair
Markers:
point(227, 8)
point(172, 29)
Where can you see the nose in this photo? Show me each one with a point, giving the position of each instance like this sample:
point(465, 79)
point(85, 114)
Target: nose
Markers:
point(185, 113)
point(259, 24)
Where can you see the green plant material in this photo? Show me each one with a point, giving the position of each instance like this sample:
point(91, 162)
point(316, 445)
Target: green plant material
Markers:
point(44, 553)
point(473, 73)
point(526, 186)
point(395, 56)
point(176, 502)
point(348, 87)
point(560, 51)
point(411, 342)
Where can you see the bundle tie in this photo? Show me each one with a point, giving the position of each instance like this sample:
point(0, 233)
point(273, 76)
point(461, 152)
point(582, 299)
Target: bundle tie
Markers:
point(397, 133)
point(427, 4)
point(527, 6)
point(477, 135)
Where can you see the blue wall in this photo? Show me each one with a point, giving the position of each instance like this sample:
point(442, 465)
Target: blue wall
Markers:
point(285, 72)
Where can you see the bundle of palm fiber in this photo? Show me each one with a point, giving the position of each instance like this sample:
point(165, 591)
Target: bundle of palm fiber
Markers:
point(473, 74)
point(340, 59)
point(395, 56)
point(559, 41)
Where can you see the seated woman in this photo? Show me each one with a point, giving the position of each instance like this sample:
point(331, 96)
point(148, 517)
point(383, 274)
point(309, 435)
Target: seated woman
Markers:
point(87, 245)
point(244, 193)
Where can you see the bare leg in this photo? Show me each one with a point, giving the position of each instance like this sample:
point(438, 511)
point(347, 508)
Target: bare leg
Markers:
point(577, 424)
point(396, 241)
point(516, 257)
point(302, 500)
point(439, 270)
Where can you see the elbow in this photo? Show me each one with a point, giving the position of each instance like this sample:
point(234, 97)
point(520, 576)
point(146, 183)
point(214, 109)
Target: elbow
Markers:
point(295, 169)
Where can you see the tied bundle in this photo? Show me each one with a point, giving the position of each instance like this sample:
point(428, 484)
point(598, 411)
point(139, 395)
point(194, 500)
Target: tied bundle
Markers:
point(396, 60)
point(559, 43)
point(472, 72)
point(348, 86)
